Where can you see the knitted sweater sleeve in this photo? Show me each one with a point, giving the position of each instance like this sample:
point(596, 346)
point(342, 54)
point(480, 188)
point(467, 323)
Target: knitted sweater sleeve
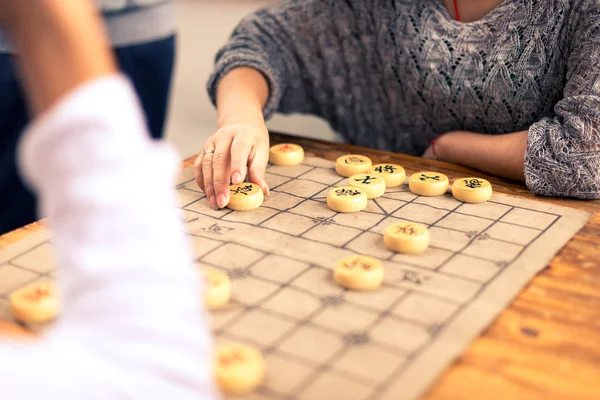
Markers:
point(563, 152)
point(287, 43)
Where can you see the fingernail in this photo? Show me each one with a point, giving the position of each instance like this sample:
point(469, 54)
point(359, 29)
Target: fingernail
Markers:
point(221, 201)
point(268, 191)
point(213, 204)
point(237, 178)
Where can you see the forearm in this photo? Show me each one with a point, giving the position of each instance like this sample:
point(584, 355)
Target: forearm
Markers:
point(500, 155)
point(54, 36)
point(131, 298)
point(241, 96)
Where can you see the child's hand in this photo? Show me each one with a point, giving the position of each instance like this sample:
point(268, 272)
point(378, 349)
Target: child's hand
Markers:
point(228, 155)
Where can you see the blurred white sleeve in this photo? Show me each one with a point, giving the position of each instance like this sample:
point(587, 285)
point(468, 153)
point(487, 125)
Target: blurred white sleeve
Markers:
point(132, 324)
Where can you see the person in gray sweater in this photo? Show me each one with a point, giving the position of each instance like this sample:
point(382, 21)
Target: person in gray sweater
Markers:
point(508, 87)
point(142, 33)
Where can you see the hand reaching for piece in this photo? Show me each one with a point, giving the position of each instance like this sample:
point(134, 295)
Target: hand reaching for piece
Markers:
point(231, 153)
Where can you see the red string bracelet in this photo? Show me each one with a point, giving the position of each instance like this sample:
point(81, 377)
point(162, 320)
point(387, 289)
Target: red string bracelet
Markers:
point(432, 144)
point(456, 10)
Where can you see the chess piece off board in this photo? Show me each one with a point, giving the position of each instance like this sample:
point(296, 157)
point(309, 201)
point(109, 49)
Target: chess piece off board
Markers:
point(319, 340)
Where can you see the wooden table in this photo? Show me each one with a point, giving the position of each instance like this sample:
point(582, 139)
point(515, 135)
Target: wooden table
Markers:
point(546, 345)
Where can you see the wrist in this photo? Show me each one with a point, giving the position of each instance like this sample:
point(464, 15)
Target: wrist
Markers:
point(241, 115)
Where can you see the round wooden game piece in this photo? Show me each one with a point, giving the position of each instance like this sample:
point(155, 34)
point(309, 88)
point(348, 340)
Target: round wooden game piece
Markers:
point(240, 369)
point(406, 237)
point(245, 196)
point(347, 199)
point(352, 164)
point(13, 331)
point(428, 183)
point(217, 288)
point(472, 190)
point(359, 273)
point(34, 304)
point(373, 185)
point(394, 175)
point(286, 154)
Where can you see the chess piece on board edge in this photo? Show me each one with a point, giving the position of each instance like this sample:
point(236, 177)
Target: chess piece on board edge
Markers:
point(239, 368)
point(286, 154)
point(34, 304)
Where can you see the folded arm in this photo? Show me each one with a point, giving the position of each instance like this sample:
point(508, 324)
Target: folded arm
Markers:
point(557, 156)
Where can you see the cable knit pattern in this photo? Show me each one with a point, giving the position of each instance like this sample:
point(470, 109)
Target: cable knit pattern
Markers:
point(394, 74)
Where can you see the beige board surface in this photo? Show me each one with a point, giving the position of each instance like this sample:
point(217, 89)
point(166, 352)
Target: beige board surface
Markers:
point(323, 342)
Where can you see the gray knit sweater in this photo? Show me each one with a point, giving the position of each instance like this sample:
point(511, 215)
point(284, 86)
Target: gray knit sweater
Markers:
point(393, 74)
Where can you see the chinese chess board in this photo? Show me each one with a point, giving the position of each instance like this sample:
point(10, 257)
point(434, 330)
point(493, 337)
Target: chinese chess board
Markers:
point(322, 342)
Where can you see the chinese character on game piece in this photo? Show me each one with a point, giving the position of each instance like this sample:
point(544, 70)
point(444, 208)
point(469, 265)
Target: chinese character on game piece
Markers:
point(356, 263)
point(473, 183)
point(232, 358)
point(286, 148)
point(347, 192)
point(407, 230)
point(366, 180)
point(242, 190)
point(37, 294)
point(427, 177)
point(389, 169)
point(354, 160)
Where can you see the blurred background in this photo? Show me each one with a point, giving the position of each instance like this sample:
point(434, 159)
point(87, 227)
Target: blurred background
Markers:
point(204, 26)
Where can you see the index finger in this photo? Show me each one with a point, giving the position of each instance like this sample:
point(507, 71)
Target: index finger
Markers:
point(240, 154)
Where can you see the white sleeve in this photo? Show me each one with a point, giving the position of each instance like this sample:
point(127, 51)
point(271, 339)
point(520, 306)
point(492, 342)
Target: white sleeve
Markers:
point(132, 324)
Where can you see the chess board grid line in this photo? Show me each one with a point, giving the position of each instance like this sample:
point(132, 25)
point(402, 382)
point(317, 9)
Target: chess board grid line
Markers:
point(182, 187)
point(269, 297)
point(363, 230)
point(23, 268)
point(361, 306)
point(341, 352)
point(226, 214)
point(349, 302)
point(444, 328)
point(471, 240)
point(446, 215)
point(387, 312)
point(24, 252)
point(289, 210)
point(421, 268)
point(525, 208)
point(6, 296)
point(217, 248)
point(269, 349)
point(312, 168)
point(475, 234)
point(379, 206)
point(307, 321)
point(400, 264)
point(443, 273)
point(304, 200)
point(193, 202)
point(454, 211)
point(449, 210)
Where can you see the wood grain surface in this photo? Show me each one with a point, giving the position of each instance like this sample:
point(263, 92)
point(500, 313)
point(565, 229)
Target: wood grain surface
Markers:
point(546, 345)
